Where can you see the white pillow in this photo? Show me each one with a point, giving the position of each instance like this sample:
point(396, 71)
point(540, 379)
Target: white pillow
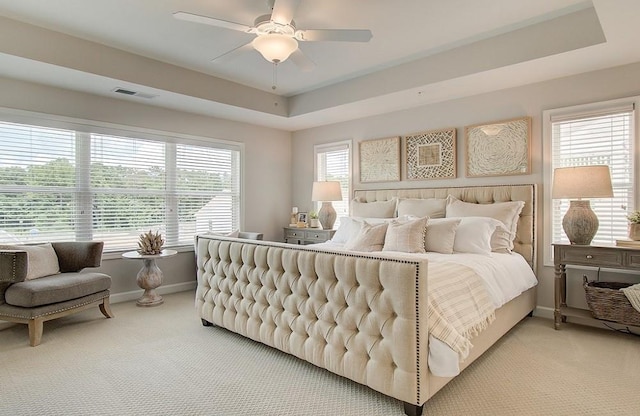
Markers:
point(347, 229)
point(441, 234)
point(506, 212)
point(42, 259)
point(350, 226)
point(369, 238)
point(406, 236)
point(474, 235)
point(430, 207)
point(380, 209)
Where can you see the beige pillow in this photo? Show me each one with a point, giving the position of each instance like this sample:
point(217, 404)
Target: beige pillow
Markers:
point(369, 238)
point(506, 212)
point(441, 235)
point(430, 207)
point(407, 237)
point(42, 259)
point(380, 209)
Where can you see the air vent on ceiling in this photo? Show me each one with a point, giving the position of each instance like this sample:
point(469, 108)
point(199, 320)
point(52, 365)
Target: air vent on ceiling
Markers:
point(134, 93)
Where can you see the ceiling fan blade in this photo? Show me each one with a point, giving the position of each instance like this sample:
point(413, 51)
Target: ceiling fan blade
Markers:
point(302, 61)
point(233, 52)
point(283, 11)
point(190, 17)
point(338, 35)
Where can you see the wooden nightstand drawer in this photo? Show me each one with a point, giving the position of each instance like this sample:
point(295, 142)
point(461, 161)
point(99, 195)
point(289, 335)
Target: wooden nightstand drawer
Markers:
point(307, 236)
point(591, 256)
point(632, 259)
point(294, 234)
point(317, 235)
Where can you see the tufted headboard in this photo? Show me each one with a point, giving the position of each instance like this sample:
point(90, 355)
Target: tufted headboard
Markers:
point(525, 235)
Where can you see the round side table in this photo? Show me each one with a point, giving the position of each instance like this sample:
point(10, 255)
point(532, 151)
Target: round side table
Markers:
point(150, 276)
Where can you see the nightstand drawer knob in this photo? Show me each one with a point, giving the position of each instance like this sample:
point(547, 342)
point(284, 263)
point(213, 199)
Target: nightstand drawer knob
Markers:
point(589, 256)
point(294, 234)
point(316, 236)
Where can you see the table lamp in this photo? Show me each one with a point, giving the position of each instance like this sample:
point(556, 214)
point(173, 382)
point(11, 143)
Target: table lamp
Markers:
point(580, 223)
point(325, 192)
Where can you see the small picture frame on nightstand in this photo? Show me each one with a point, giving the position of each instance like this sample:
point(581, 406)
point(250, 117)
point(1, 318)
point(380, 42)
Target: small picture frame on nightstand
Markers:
point(302, 219)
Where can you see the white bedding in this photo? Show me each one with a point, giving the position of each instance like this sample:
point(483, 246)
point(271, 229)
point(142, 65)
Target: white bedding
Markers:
point(505, 277)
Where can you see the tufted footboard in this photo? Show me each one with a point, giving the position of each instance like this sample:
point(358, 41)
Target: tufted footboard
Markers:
point(355, 315)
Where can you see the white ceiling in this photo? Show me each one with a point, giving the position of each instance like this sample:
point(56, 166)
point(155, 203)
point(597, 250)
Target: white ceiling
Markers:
point(422, 51)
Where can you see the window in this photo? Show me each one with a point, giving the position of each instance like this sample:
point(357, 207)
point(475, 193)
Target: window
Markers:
point(333, 163)
point(67, 185)
point(594, 135)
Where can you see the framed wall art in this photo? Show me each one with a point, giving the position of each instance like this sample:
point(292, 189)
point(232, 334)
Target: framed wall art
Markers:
point(499, 148)
point(380, 160)
point(430, 155)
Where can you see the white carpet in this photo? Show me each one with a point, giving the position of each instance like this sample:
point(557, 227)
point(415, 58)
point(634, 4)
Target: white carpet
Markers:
point(162, 361)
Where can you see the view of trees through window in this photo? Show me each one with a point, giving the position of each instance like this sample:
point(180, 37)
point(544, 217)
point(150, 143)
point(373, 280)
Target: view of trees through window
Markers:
point(63, 185)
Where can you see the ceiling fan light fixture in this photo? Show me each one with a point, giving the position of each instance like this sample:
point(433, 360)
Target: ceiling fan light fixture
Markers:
point(275, 47)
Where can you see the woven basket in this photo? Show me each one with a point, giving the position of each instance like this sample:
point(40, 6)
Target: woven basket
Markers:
point(608, 302)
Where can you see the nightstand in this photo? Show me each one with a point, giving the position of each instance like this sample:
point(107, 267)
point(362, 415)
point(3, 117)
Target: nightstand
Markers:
point(307, 235)
point(610, 257)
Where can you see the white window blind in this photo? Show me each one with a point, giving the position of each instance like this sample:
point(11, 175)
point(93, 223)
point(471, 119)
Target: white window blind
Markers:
point(333, 163)
point(65, 185)
point(604, 137)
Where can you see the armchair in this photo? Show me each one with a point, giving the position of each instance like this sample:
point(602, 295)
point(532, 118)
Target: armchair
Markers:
point(36, 300)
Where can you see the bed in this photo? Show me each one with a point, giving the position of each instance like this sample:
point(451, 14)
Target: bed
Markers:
point(368, 316)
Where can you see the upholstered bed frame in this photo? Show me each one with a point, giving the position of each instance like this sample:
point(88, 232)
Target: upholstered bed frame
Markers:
point(357, 315)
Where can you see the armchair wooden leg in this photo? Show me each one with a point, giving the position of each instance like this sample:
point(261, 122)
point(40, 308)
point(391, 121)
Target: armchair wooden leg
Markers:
point(35, 331)
point(105, 308)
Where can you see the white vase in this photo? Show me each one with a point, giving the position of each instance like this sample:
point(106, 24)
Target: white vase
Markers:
point(314, 223)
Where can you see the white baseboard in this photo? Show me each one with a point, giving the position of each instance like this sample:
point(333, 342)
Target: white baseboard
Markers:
point(543, 312)
point(162, 290)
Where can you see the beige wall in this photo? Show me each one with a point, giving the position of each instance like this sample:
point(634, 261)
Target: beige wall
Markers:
point(529, 100)
point(267, 158)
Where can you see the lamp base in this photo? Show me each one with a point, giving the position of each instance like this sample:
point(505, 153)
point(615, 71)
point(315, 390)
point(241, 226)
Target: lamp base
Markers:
point(327, 215)
point(580, 223)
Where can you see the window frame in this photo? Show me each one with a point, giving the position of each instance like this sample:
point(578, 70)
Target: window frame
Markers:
point(581, 111)
point(84, 126)
point(328, 147)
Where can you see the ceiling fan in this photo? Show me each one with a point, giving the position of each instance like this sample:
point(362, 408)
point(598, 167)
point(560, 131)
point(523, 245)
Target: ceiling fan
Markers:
point(276, 34)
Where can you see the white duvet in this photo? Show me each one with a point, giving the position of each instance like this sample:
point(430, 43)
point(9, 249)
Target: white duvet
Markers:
point(505, 276)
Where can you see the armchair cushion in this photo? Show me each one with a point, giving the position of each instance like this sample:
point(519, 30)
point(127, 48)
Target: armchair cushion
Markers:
point(56, 288)
point(41, 259)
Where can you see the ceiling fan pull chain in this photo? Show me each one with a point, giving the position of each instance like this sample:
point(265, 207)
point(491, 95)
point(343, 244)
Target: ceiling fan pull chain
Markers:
point(275, 76)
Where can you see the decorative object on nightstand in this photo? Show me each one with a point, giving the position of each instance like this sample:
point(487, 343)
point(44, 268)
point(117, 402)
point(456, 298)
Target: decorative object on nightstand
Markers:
point(580, 223)
point(314, 222)
point(634, 226)
point(325, 192)
point(293, 222)
point(302, 220)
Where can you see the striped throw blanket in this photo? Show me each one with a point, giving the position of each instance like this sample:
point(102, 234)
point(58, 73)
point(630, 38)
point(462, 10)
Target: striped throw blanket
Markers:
point(459, 305)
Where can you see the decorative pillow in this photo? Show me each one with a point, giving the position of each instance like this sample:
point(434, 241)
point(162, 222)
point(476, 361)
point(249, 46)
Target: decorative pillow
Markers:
point(441, 234)
point(42, 259)
point(406, 236)
point(474, 235)
point(506, 212)
point(347, 229)
point(431, 207)
point(380, 209)
point(369, 238)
